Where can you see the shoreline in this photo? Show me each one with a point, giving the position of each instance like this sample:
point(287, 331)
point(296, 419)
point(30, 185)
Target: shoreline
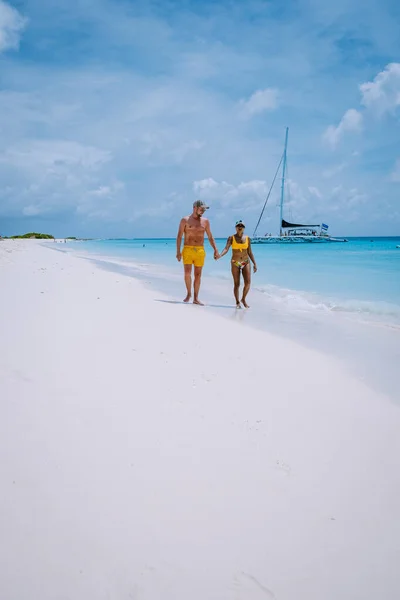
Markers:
point(155, 450)
point(356, 342)
point(367, 309)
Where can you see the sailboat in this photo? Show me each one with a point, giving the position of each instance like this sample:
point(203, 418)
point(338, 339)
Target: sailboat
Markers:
point(291, 232)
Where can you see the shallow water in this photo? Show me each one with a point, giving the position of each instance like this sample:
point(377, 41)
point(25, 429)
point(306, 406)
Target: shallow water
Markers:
point(360, 277)
point(342, 299)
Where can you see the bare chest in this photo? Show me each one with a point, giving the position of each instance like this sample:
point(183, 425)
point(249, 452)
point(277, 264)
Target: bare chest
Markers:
point(195, 227)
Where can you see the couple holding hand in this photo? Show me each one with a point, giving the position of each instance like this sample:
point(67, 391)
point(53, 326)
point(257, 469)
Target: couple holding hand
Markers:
point(193, 228)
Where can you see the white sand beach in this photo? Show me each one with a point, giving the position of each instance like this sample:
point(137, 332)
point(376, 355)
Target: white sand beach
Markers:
point(155, 451)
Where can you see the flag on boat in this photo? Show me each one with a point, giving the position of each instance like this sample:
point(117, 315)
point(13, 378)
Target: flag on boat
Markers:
point(324, 227)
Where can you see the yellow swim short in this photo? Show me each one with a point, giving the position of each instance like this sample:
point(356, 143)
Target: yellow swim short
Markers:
point(194, 255)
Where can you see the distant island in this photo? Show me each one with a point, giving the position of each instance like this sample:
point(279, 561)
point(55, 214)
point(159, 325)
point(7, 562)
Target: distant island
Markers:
point(32, 236)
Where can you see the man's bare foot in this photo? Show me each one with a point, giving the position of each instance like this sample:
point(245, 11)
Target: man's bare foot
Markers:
point(245, 303)
point(238, 305)
point(196, 301)
point(187, 298)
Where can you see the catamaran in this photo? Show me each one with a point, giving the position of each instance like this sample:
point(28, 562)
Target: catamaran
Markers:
point(291, 232)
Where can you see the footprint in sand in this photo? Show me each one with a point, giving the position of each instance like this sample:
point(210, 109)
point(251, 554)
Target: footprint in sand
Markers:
point(283, 467)
point(248, 587)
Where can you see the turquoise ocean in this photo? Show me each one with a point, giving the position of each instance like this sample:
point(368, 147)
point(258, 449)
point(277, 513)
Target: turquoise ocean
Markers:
point(339, 298)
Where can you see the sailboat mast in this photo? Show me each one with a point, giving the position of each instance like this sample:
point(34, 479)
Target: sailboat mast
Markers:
point(283, 182)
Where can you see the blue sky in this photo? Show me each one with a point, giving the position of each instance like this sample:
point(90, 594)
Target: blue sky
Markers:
point(116, 114)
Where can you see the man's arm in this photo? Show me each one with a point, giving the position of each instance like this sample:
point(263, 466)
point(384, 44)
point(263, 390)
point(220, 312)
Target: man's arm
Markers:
point(250, 253)
point(211, 239)
point(228, 245)
point(179, 238)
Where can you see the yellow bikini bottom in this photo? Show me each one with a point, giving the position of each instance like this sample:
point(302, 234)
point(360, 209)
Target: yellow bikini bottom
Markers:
point(240, 264)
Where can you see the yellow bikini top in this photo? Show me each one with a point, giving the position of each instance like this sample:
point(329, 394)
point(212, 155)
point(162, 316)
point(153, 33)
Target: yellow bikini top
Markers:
point(242, 246)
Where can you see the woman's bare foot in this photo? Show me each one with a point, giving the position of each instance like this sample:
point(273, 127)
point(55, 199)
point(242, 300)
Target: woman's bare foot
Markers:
point(187, 298)
point(196, 301)
point(238, 305)
point(245, 303)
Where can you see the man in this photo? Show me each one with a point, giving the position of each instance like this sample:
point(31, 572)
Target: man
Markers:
point(193, 229)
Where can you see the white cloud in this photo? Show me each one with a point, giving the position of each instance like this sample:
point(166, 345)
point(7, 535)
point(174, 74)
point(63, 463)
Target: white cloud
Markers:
point(383, 93)
point(172, 116)
point(35, 107)
point(51, 175)
point(314, 191)
point(180, 152)
point(103, 190)
point(346, 201)
point(297, 201)
point(100, 202)
point(309, 204)
point(303, 203)
point(165, 143)
point(31, 210)
point(351, 121)
point(331, 171)
point(53, 154)
point(205, 186)
point(162, 209)
point(11, 27)
point(259, 102)
point(395, 176)
point(380, 96)
point(107, 190)
point(246, 195)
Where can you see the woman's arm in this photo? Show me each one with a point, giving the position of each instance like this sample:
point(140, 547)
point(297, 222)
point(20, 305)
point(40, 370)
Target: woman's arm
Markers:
point(226, 249)
point(250, 253)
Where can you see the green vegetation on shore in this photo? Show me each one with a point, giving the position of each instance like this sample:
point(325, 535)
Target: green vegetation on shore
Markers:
point(40, 236)
point(32, 235)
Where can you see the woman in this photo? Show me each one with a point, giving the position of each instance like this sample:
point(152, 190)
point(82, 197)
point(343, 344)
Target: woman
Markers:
point(242, 254)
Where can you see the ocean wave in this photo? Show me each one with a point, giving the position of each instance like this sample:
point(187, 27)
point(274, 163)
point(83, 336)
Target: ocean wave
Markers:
point(281, 298)
point(306, 301)
point(222, 274)
point(111, 260)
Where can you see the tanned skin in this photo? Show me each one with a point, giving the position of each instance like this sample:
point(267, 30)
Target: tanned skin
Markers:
point(193, 228)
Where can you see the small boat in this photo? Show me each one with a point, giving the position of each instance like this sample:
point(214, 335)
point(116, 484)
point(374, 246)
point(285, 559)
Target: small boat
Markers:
point(290, 233)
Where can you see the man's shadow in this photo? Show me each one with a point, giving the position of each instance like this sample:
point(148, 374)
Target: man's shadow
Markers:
point(191, 303)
